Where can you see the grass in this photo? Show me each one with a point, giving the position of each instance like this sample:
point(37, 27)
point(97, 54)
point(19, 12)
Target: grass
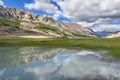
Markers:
point(83, 34)
point(111, 45)
point(47, 28)
point(8, 22)
point(43, 26)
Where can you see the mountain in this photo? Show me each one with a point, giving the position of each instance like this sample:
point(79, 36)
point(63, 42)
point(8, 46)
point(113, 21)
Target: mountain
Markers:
point(18, 22)
point(115, 35)
point(104, 33)
point(28, 55)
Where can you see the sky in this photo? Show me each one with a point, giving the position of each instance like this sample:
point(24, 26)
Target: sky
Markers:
point(96, 14)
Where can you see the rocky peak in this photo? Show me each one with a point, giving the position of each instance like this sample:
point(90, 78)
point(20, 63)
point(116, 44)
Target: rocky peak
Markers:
point(47, 20)
point(18, 14)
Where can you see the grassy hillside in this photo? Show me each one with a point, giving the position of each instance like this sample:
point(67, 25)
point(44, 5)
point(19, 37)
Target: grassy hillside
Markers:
point(110, 45)
point(8, 22)
point(83, 34)
point(42, 27)
point(45, 28)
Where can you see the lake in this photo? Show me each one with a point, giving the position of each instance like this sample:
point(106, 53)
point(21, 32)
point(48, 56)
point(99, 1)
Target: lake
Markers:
point(49, 63)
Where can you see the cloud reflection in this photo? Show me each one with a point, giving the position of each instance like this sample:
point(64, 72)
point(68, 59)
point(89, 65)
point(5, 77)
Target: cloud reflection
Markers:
point(76, 66)
point(83, 65)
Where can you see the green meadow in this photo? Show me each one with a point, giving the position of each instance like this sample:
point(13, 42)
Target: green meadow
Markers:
point(9, 22)
point(110, 45)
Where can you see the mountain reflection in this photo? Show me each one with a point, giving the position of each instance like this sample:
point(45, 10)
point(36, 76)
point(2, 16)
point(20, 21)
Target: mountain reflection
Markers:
point(18, 56)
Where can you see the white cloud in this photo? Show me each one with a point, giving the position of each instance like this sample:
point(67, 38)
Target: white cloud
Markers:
point(57, 14)
point(107, 27)
point(13, 78)
point(1, 2)
point(76, 66)
point(95, 23)
point(2, 72)
point(101, 25)
point(90, 9)
point(43, 5)
point(79, 9)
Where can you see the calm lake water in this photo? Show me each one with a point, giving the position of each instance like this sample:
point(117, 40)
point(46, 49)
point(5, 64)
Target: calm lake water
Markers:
point(46, 63)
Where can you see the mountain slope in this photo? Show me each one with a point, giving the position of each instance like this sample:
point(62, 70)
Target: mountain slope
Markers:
point(104, 33)
point(30, 23)
point(116, 35)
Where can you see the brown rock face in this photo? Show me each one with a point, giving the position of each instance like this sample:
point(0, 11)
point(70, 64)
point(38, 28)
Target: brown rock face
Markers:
point(72, 27)
point(16, 14)
point(47, 20)
point(24, 15)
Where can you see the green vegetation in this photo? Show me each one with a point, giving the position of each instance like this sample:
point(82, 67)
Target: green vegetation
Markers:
point(44, 27)
point(83, 34)
point(8, 22)
point(111, 45)
point(47, 28)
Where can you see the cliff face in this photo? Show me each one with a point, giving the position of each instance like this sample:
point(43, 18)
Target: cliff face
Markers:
point(30, 21)
point(13, 13)
point(16, 14)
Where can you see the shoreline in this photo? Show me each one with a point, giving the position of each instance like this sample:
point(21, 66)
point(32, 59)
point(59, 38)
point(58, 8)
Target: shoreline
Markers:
point(110, 45)
point(31, 36)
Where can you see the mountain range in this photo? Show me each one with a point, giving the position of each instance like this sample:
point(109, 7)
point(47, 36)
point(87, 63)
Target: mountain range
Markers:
point(115, 35)
point(16, 22)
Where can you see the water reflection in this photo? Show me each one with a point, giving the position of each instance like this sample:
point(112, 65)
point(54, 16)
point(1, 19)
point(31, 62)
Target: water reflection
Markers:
point(17, 56)
point(44, 63)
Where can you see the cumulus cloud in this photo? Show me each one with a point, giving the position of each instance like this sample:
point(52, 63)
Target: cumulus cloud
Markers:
point(57, 14)
point(107, 27)
point(1, 2)
point(79, 65)
point(95, 23)
point(84, 10)
point(76, 67)
point(102, 25)
point(2, 72)
point(44, 5)
point(90, 10)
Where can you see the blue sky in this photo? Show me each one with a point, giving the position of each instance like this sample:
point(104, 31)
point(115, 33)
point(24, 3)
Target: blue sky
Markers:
point(20, 4)
point(88, 12)
point(16, 3)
